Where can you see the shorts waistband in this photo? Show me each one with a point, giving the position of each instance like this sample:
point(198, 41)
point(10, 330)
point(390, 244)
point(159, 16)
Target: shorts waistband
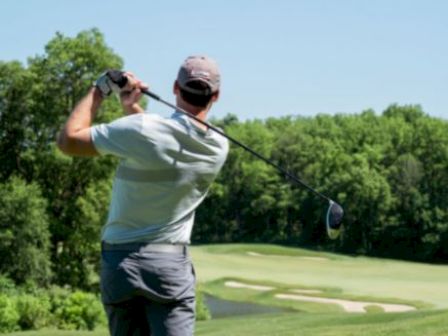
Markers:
point(145, 247)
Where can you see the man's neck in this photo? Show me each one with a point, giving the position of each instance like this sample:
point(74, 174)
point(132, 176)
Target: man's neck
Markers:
point(200, 113)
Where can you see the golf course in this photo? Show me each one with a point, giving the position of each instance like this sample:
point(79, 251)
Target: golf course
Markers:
point(219, 168)
point(281, 277)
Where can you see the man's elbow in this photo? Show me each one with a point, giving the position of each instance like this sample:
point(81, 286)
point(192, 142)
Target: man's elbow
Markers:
point(66, 143)
point(62, 142)
point(77, 144)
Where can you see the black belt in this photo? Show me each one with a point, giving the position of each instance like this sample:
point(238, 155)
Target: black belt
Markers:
point(145, 247)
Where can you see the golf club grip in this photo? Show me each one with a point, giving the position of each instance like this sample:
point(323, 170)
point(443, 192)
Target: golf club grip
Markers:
point(118, 78)
point(151, 94)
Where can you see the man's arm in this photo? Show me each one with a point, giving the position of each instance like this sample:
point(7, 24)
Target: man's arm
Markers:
point(75, 138)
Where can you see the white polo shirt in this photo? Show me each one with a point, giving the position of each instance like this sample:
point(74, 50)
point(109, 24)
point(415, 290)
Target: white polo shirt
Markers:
point(166, 169)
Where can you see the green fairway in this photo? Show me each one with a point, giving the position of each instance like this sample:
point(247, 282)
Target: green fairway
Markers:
point(280, 270)
point(363, 277)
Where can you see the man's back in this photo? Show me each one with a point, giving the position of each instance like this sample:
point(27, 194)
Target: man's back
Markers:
point(166, 169)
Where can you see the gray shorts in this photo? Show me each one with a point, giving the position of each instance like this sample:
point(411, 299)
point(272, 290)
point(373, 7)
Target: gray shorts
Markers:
point(148, 292)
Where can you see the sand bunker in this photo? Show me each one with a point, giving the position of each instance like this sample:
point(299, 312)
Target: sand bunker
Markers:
point(256, 254)
point(348, 305)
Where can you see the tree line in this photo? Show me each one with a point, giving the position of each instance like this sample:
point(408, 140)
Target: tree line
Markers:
point(388, 171)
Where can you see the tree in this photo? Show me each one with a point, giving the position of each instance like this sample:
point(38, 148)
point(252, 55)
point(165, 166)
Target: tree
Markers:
point(35, 103)
point(24, 234)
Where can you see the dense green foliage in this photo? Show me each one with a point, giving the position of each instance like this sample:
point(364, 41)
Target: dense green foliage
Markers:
point(28, 308)
point(35, 101)
point(8, 314)
point(389, 172)
point(24, 234)
point(32, 308)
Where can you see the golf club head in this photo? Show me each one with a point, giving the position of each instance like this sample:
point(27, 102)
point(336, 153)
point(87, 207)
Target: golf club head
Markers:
point(334, 219)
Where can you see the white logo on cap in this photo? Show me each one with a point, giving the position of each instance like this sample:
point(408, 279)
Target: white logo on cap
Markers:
point(200, 73)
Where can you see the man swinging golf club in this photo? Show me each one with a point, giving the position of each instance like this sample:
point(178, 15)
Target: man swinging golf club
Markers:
point(166, 168)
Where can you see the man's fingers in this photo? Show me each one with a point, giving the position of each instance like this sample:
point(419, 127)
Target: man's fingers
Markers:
point(134, 82)
point(135, 95)
point(131, 96)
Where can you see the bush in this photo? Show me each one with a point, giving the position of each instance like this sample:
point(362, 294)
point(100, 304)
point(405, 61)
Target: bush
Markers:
point(8, 314)
point(202, 312)
point(79, 310)
point(7, 286)
point(34, 311)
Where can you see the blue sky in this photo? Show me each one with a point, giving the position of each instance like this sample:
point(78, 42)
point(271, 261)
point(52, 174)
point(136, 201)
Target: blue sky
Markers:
point(277, 58)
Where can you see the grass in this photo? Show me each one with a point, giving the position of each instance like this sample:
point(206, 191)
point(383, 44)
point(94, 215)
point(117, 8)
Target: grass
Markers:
point(430, 323)
point(217, 288)
point(369, 279)
point(356, 276)
point(426, 323)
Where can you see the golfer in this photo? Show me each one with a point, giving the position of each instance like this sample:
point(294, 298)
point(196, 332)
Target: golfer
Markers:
point(166, 168)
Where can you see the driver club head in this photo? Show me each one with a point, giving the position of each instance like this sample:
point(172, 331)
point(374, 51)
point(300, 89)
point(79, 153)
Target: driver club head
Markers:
point(334, 219)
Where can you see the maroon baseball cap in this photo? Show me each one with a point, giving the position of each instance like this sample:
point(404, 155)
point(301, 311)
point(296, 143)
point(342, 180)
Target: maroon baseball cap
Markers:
point(199, 68)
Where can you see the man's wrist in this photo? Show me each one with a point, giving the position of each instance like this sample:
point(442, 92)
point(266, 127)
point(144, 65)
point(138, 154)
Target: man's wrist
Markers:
point(96, 92)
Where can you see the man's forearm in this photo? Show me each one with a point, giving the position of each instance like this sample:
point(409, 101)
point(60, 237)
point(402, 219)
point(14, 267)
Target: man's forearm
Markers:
point(74, 139)
point(85, 111)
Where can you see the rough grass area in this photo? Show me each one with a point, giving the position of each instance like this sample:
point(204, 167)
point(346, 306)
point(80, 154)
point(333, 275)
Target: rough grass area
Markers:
point(427, 323)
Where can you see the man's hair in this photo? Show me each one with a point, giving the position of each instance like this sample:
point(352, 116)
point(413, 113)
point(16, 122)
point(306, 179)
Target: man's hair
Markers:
point(199, 100)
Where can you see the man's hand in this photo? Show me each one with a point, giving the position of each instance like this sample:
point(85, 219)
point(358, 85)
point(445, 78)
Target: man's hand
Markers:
point(111, 81)
point(130, 95)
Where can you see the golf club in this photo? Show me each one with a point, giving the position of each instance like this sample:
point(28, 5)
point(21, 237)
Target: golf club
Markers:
point(335, 212)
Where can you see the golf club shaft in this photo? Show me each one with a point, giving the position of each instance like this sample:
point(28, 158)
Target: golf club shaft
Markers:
point(236, 142)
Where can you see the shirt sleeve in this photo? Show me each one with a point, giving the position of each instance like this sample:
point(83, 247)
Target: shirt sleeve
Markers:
point(120, 137)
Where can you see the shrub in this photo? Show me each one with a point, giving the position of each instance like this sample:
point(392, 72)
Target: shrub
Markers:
point(57, 296)
point(8, 314)
point(202, 312)
point(79, 310)
point(7, 286)
point(34, 311)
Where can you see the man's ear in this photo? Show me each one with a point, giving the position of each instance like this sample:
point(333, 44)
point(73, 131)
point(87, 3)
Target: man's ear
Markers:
point(175, 87)
point(215, 96)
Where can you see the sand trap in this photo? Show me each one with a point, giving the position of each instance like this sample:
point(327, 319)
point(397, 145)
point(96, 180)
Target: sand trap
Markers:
point(235, 284)
point(349, 306)
point(256, 254)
